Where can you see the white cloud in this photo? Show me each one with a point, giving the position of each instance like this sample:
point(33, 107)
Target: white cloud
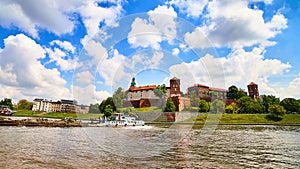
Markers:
point(26, 76)
point(238, 68)
point(92, 15)
point(62, 60)
point(149, 33)
point(66, 45)
point(112, 69)
point(193, 8)
point(96, 50)
point(84, 77)
point(292, 90)
point(31, 15)
point(243, 27)
point(175, 51)
point(89, 94)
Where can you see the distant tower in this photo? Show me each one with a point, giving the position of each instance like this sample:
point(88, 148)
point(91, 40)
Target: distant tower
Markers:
point(174, 87)
point(253, 90)
point(132, 82)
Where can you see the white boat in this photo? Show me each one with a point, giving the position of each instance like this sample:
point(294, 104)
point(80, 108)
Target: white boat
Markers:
point(121, 120)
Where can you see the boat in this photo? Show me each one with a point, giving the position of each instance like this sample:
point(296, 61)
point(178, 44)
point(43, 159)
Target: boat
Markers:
point(120, 120)
point(5, 111)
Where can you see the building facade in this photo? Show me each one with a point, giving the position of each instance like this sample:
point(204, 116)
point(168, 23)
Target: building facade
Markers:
point(43, 105)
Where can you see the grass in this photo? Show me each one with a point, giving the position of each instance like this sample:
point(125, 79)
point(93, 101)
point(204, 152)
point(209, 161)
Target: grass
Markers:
point(247, 119)
point(148, 109)
point(59, 115)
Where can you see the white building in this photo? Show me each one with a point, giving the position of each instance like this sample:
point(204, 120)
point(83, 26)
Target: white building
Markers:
point(43, 105)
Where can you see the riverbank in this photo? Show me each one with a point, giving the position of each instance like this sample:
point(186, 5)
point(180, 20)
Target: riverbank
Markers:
point(58, 115)
point(41, 122)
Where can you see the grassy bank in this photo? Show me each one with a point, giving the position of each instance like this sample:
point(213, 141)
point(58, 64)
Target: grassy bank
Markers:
point(247, 119)
point(28, 113)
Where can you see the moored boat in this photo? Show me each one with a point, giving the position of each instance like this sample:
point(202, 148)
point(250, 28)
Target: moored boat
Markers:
point(121, 120)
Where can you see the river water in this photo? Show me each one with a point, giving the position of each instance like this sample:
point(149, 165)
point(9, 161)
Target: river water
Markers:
point(176, 146)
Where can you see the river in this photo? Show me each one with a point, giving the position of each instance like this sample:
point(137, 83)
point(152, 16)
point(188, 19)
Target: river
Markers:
point(176, 146)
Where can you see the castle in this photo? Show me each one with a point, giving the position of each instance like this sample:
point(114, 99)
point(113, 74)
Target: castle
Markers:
point(144, 96)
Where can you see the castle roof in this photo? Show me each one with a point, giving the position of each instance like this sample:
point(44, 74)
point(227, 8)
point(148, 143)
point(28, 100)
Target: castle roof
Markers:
point(201, 85)
point(217, 89)
point(149, 87)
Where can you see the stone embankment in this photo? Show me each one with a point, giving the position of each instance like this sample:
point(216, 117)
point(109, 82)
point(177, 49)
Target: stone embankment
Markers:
point(42, 122)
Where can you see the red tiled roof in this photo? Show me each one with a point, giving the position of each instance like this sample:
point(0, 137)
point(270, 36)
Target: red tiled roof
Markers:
point(217, 89)
point(200, 85)
point(252, 83)
point(149, 87)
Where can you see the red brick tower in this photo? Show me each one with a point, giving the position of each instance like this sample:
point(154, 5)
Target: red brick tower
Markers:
point(174, 87)
point(253, 90)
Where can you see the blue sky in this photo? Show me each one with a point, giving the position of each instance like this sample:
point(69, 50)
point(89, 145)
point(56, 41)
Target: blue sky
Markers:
point(85, 50)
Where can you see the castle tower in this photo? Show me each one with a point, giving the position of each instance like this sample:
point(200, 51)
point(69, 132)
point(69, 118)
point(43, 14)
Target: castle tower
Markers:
point(253, 90)
point(174, 87)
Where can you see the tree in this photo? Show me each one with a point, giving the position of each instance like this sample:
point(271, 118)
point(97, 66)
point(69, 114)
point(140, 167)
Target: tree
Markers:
point(217, 106)
point(170, 106)
point(104, 103)
point(7, 102)
point(267, 100)
point(203, 106)
point(94, 108)
point(24, 105)
point(241, 93)
point(194, 100)
point(229, 109)
point(160, 91)
point(248, 105)
point(232, 93)
point(276, 110)
point(108, 110)
point(290, 104)
point(118, 97)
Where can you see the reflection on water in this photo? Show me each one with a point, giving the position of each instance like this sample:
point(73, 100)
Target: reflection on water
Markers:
point(177, 146)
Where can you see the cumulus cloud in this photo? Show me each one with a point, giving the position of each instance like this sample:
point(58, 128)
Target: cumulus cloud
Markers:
point(96, 51)
point(64, 44)
point(25, 76)
point(234, 24)
point(89, 94)
point(31, 15)
point(84, 77)
point(112, 69)
point(92, 15)
point(175, 51)
point(150, 32)
point(61, 59)
point(193, 8)
point(238, 68)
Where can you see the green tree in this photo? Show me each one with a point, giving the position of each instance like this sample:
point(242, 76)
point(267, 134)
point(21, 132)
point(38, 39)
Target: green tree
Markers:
point(241, 93)
point(118, 97)
point(94, 108)
point(104, 103)
point(203, 106)
point(232, 93)
point(108, 111)
point(24, 105)
point(290, 104)
point(276, 110)
point(170, 106)
point(267, 100)
point(160, 91)
point(7, 102)
point(217, 106)
point(229, 109)
point(194, 100)
point(248, 105)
